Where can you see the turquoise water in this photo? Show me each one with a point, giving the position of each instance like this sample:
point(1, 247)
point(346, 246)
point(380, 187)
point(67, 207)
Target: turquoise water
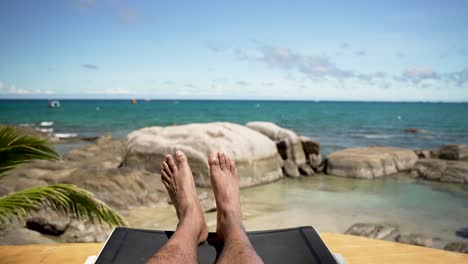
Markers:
point(336, 125)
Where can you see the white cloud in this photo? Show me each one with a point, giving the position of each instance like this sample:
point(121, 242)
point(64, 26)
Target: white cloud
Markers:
point(419, 73)
point(111, 91)
point(311, 66)
point(12, 89)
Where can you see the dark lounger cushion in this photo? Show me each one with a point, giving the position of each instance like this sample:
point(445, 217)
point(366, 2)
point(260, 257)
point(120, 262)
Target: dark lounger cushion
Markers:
point(294, 245)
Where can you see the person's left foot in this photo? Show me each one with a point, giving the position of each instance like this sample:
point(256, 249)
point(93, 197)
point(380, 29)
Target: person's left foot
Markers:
point(178, 180)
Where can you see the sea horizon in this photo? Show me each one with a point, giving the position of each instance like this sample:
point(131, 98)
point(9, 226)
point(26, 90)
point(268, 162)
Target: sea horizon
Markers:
point(107, 98)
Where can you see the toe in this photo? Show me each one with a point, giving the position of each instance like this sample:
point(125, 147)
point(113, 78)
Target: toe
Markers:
point(180, 157)
point(233, 167)
point(165, 177)
point(166, 169)
point(213, 161)
point(228, 162)
point(171, 163)
point(222, 160)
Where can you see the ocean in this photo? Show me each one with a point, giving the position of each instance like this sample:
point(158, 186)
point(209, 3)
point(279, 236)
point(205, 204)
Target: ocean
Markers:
point(336, 125)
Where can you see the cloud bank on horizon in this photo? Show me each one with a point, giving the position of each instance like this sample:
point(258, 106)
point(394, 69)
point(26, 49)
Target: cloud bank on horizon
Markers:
point(357, 50)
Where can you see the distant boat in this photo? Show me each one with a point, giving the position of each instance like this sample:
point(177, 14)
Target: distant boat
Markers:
point(133, 101)
point(54, 104)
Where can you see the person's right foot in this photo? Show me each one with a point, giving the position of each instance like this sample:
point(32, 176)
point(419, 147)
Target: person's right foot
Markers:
point(225, 183)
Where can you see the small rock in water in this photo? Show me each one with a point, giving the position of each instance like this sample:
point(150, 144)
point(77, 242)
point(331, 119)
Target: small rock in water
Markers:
point(377, 231)
point(454, 152)
point(415, 239)
point(414, 130)
point(463, 232)
point(461, 247)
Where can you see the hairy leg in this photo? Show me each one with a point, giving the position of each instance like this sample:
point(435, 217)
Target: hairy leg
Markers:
point(225, 182)
point(191, 230)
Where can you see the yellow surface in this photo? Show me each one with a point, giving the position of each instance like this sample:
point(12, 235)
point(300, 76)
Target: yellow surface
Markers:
point(354, 249)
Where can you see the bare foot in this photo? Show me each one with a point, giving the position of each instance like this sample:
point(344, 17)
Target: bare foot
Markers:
point(178, 179)
point(225, 183)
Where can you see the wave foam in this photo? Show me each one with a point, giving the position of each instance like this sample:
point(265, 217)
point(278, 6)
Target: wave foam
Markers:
point(45, 130)
point(65, 135)
point(46, 123)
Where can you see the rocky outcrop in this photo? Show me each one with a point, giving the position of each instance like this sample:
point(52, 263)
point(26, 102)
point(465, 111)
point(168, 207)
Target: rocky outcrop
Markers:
point(376, 231)
point(415, 239)
point(461, 247)
point(95, 168)
point(288, 142)
point(370, 162)
point(64, 228)
point(442, 170)
point(454, 152)
point(256, 155)
point(18, 235)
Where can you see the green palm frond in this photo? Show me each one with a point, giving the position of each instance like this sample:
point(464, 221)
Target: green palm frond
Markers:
point(66, 198)
point(17, 148)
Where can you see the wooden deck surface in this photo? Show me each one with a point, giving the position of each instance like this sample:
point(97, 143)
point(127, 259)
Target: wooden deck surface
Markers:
point(354, 250)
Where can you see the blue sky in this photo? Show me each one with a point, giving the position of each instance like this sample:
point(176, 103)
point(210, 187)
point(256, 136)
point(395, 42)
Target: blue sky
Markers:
point(327, 50)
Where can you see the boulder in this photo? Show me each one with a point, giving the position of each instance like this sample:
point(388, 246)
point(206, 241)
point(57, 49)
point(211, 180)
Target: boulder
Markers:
point(306, 170)
point(256, 155)
point(85, 232)
point(17, 235)
point(454, 152)
point(370, 162)
point(290, 148)
point(443, 170)
point(310, 146)
point(461, 247)
point(48, 222)
point(290, 169)
point(415, 239)
point(376, 231)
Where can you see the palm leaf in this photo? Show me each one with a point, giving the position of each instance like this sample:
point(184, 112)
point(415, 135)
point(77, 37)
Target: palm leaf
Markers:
point(66, 198)
point(16, 148)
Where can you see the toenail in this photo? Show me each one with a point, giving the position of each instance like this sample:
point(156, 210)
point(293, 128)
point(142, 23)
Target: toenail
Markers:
point(179, 153)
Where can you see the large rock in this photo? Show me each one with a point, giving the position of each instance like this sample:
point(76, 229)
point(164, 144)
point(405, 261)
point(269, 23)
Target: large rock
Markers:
point(454, 152)
point(415, 239)
point(288, 142)
point(48, 222)
point(256, 155)
point(377, 231)
point(370, 162)
point(17, 235)
point(443, 170)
